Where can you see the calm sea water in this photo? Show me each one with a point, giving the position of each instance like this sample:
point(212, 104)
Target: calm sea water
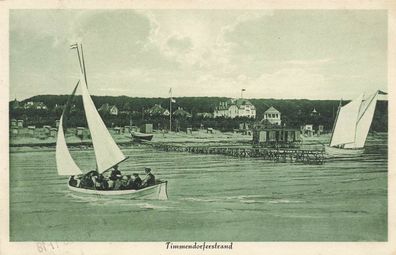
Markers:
point(211, 197)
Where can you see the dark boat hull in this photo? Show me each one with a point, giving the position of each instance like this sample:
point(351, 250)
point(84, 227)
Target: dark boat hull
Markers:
point(141, 136)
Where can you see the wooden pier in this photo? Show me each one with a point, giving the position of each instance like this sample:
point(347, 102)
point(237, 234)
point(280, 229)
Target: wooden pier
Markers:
point(277, 155)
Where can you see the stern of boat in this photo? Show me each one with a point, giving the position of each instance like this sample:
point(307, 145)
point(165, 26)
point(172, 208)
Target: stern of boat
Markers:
point(163, 192)
point(333, 152)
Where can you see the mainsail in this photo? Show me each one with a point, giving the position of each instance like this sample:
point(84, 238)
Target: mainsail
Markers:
point(106, 150)
point(64, 162)
point(365, 117)
point(345, 127)
point(107, 153)
point(353, 123)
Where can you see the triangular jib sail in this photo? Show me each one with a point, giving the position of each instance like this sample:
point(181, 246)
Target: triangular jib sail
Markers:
point(64, 161)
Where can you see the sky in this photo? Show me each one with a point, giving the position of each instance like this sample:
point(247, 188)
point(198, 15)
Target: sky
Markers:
point(312, 54)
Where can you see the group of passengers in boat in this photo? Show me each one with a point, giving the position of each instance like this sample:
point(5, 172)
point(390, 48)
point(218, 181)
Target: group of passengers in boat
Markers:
point(113, 181)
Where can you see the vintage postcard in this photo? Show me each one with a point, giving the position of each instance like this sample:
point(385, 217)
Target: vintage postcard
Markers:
point(212, 128)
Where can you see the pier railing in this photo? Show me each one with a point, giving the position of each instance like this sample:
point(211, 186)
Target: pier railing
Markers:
point(278, 155)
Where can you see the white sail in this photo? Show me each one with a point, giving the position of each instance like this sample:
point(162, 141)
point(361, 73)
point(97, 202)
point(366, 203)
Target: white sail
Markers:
point(64, 162)
point(365, 118)
point(345, 127)
point(106, 150)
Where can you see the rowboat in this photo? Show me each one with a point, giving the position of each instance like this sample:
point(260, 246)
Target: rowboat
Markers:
point(107, 152)
point(158, 191)
point(141, 136)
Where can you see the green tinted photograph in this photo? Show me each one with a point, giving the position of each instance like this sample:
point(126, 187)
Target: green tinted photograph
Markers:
point(192, 125)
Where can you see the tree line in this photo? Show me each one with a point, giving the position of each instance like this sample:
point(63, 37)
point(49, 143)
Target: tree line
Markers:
point(294, 112)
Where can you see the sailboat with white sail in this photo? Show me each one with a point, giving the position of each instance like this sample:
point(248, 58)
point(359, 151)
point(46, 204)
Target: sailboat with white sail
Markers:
point(107, 153)
point(351, 126)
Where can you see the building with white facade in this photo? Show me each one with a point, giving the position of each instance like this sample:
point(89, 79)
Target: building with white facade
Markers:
point(235, 108)
point(273, 116)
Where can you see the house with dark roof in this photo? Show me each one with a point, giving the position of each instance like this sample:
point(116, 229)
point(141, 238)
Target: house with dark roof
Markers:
point(111, 109)
point(158, 110)
point(235, 108)
point(181, 113)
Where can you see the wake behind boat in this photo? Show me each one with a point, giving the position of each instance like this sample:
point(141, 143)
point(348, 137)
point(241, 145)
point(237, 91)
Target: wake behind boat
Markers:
point(107, 154)
point(351, 127)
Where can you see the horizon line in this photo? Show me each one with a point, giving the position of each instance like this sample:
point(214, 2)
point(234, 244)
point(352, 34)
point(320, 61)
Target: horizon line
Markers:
point(161, 97)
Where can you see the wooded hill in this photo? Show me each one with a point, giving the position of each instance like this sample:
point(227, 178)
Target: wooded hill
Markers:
point(295, 112)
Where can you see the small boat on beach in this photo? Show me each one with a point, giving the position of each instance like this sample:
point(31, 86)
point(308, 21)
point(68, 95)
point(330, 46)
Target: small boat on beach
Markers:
point(351, 127)
point(141, 136)
point(107, 152)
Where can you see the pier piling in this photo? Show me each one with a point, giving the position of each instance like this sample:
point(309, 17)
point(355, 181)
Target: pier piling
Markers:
point(277, 155)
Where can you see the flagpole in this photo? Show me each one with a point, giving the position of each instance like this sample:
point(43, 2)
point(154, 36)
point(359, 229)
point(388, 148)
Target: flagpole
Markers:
point(170, 110)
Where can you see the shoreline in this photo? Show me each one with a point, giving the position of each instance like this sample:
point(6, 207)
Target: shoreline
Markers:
point(197, 137)
point(182, 139)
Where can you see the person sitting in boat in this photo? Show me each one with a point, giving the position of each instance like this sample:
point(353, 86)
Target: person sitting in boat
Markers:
point(149, 180)
point(74, 181)
point(87, 180)
point(115, 174)
point(117, 184)
point(110, 184)
point(124, 182)
point(100, 182)
point(135, 182)
point(104, 184)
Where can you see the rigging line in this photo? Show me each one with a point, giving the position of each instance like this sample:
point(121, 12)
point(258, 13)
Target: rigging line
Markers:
point(357, 121)
point(67, 106)
point(361, 116)
point(79, 59)
point(70, 98)
point(83, 63)
point(335, 121)
point(114, 165)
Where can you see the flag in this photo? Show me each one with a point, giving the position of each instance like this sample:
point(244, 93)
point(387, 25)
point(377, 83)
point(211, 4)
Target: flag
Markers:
point(173, 100)
point(380, 92)
point(73, 46)
point(170, 91)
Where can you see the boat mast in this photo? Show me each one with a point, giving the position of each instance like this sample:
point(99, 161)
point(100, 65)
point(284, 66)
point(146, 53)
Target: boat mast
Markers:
point(170, 110)
point(335, 121)
point(80, 59)
point(75, 46)
point(357, 120)
point(83, 65)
